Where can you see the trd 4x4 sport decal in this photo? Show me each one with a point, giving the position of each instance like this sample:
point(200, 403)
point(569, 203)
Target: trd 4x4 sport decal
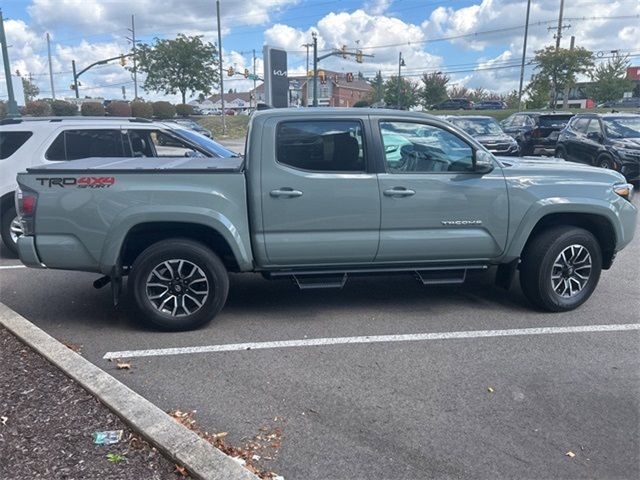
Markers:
point(81, 182)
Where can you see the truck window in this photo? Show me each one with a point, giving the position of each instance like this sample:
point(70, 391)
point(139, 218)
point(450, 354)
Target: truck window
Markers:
point(76, 144)
point(321, 146)
point(419, 148)
point(12, 141)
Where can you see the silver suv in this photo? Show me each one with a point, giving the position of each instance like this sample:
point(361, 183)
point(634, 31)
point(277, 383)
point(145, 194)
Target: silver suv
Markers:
point(26, 142)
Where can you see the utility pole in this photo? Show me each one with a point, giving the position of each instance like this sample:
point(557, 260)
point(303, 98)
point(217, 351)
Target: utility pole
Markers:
point(558, 36)
point(315, 69)
point(53, 90)
point(75, 78)
point(307, 45)
point(560, 27)
point(565, 97)
point(224, 122)
point(524, 54)
point(12, 106)
point(255, 104)
point(135, 60)
point(400, 65)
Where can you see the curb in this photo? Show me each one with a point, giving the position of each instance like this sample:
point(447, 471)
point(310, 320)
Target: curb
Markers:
point(181, 445)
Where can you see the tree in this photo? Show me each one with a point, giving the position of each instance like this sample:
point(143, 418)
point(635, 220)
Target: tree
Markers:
point(511, 98)
point(610, 80)
point(180, 65)
point(409, 92)
point(31, 90)
point(434, 88)
point(561, 66)
point(377, 83)
point(479, 94)
point(459, 91)
point(538, 91)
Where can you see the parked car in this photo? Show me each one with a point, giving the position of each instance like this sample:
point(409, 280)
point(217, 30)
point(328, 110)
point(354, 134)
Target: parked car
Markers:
point(317, 200)
point(627, 102)
point(610, 140)
point(490, 105)
point(192, 125)
point(488, 132)
point(536, 132)
point(454, 104)
point(36, 141)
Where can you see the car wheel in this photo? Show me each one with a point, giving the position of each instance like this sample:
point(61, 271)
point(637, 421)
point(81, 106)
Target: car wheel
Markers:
point(561, 153)
point(178, 284)
point(605, 162)
point(560, 268)
point(11, 229)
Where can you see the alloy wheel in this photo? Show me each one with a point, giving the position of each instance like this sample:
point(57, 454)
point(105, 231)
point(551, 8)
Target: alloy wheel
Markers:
point(15, 229)
point(571, 271)
point(177, 287)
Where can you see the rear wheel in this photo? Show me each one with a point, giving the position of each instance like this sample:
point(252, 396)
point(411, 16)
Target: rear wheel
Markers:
point(605, 161)
point(10, 229)
point(179, 284)
point(560, 268)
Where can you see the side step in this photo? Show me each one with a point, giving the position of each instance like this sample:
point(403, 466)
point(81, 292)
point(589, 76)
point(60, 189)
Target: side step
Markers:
point(307, 282)
point(441, 277)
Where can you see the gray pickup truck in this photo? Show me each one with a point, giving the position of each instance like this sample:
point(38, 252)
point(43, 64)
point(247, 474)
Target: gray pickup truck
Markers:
point(320, 195)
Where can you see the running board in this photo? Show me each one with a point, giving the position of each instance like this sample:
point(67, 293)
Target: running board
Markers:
point(307, 282)
point(441, 277)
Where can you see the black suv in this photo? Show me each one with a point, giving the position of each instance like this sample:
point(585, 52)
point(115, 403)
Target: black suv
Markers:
point(609, 140)
point(454, 104)
point(536, 132)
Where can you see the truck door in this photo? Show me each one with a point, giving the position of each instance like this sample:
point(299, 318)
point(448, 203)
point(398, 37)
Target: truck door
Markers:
point(434, 206)
point(320, 202)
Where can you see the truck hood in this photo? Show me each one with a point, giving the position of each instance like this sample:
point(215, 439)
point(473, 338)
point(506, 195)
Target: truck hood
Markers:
point(557, 170)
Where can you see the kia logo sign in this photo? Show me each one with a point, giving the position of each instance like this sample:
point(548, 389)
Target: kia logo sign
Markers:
point(276, 82)
point(280, 73)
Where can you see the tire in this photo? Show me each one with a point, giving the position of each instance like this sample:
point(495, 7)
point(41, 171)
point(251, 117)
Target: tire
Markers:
point(201, 270)
point(605, 161)
point(561, 153)
point(539, 273)
point(9, 229)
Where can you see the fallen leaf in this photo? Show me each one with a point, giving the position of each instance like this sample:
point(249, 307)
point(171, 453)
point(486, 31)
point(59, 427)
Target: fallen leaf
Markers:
point(219, 435)
point(4, 420)
point(123, 366)
point(181, 470)
point(490, 390)
point(570, 454)
point(73, 347)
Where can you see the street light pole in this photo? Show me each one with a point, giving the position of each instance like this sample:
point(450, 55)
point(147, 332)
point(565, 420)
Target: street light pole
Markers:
point(315, 69)
point(75, 78)
point(400, 63)
point(53, 90)
point(12, 106)
point(524, 54)
point(224, 122)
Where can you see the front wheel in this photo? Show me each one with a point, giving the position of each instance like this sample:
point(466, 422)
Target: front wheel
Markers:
point(560, 268)
point(11, 229)
point(179, 284)
point(605, 162)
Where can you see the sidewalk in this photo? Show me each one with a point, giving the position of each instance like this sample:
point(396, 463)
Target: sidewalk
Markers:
point(47, 422)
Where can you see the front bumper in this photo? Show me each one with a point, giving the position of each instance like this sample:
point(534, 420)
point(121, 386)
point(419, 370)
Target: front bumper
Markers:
point(28, 253)
point(631, 170)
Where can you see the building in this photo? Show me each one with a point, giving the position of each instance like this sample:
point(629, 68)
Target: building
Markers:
point(578, 95)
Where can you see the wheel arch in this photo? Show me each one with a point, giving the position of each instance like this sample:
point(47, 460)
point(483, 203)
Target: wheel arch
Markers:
point(7, 201)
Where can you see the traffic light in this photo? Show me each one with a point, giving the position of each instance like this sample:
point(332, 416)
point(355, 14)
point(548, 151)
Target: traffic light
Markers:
point(349, 77)
point(123, 60)
point(322, 76)
point(231, 71)
point(246, 73)
point(359, 56)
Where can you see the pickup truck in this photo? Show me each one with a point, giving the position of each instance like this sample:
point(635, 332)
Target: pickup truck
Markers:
point(321, 195)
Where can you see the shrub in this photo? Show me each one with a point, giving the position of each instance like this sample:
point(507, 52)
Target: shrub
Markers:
point(119, 109)
point(361, 104)
point(141, 109)
point(92, 109)
point(37, 109)
point(63, 109)
point(184, 110)
point(163, 110)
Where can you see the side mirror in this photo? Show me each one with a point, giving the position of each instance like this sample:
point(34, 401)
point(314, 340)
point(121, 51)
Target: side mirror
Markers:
point(483, 162)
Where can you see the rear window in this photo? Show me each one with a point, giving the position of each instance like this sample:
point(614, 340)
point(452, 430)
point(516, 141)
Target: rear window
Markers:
point(10, 142)
point(76, 144)
point(554, 120)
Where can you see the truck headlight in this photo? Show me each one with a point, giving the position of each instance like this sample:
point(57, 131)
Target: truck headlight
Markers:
point(625, 190)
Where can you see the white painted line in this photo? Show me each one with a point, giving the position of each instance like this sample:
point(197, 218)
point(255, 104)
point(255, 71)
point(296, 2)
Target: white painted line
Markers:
point(7, 267)
point(412, 337)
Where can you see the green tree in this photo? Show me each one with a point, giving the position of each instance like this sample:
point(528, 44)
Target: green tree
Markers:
point(538, 91)
point(561, 66)
point(511, 98)
point(180, 65)
point(434, 89)
point(409, 93)
point(459, 91)
point(610, 80)
point(31, 90)
point(377, 83)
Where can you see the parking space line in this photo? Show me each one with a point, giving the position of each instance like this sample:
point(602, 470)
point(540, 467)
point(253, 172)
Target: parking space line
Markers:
point(315, 342)
point(7, 267)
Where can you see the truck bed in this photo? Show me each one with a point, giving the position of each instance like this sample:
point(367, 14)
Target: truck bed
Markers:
point(144, 164)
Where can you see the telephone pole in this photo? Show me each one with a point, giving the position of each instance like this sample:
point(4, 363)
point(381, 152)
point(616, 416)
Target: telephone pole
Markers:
point(400, 65)
point(565, 97)
point(524, 54)
point(315, 69)
point(307, 45)
point(560, 27)
point(53, 90)
point(224, 122)
point(135, 60)
point(12, 106)
point(255, 103)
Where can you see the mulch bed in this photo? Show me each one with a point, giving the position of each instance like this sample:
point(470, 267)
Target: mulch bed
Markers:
point(47, 422)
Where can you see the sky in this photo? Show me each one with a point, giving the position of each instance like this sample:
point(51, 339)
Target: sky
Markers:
point(478, 43)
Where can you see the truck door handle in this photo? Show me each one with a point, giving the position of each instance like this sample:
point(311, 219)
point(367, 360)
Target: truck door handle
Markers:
point(285, 192)
point(399, 192)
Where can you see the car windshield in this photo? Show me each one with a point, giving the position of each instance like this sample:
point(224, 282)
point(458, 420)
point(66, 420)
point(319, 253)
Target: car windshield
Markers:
point(478, 126)
point(205, 143)
point(622, 127)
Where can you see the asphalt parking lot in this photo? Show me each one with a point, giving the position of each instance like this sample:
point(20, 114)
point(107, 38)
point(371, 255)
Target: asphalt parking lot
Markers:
point(414, 409)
